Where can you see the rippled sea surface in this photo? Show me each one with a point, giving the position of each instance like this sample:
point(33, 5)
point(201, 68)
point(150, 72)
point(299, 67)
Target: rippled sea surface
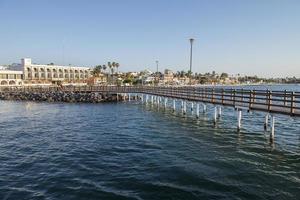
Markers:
point(133, 151)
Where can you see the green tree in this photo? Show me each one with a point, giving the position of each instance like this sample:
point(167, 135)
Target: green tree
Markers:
point(224, 76)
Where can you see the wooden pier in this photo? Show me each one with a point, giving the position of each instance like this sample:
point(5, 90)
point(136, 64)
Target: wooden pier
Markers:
point(281, 102)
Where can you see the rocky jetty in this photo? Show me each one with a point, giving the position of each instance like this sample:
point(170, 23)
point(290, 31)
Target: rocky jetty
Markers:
point(60, 96)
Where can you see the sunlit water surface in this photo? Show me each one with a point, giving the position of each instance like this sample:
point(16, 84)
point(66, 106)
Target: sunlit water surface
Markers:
point(134, 151)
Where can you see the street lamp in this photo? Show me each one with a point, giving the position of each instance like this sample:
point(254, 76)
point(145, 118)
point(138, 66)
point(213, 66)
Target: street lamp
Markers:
point(157, 72)
point(191, 59)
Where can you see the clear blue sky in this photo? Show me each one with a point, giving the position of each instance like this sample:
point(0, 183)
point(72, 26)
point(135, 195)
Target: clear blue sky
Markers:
point(237, 36)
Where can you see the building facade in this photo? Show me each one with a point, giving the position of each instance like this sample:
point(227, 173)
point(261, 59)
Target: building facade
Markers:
point(51, 74)
point(11, 78)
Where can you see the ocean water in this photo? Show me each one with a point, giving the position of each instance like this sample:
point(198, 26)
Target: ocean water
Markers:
point(136, 151)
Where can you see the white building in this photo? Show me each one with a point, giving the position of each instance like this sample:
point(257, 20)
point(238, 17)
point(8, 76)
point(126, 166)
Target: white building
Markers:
point(49, 74)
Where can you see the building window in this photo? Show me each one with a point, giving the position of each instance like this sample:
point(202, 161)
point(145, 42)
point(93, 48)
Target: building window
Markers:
point(11, 76)
point(3, 76)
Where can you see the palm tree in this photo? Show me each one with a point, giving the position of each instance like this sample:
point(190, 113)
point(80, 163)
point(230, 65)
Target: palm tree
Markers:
point(100, 68)
point(97, 70)
point(117, 66)
point(113, 66)
point(109, 65)
point(104, 67)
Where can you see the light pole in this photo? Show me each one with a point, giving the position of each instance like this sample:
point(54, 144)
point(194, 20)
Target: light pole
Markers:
point(157, 72)
point(191, 59)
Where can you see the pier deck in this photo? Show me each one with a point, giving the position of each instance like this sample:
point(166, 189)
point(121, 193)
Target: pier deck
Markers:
point(281, 102)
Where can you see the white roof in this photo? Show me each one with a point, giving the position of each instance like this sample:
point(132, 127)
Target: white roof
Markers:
point(10, 72)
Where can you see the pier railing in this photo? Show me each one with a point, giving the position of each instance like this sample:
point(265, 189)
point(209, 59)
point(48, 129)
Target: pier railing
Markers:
point(283, 102)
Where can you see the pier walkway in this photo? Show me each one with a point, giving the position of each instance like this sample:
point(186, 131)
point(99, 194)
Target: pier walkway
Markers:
point(281, 102)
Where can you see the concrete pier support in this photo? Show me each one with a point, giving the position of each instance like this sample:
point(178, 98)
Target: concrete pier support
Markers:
point(146, 98)
point(197, 110)
point(174, 105)
point(204, 108)
point(219, 112)
point(166, 101)
point(239, 120)
point(152, 99)
point(128, 96)
point(184, 107)
point(192, 106)
point(272, 134)
point(142, 98)
point(215, 116)
point(266, 122)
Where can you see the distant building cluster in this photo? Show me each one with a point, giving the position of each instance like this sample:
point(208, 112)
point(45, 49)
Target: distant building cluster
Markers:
point(27, 73)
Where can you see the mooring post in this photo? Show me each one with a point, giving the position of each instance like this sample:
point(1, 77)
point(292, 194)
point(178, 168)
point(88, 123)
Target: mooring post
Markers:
point(266, 122)
point(273, 128)
point(197, 110)
point(174, 105)
point(239, 125)
point(219, 112)
point(215, 116)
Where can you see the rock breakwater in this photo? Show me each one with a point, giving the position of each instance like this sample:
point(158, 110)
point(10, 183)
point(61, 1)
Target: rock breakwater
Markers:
point(60, 96)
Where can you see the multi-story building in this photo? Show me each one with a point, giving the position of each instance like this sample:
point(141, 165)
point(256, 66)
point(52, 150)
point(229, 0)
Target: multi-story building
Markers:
point(49, 74)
